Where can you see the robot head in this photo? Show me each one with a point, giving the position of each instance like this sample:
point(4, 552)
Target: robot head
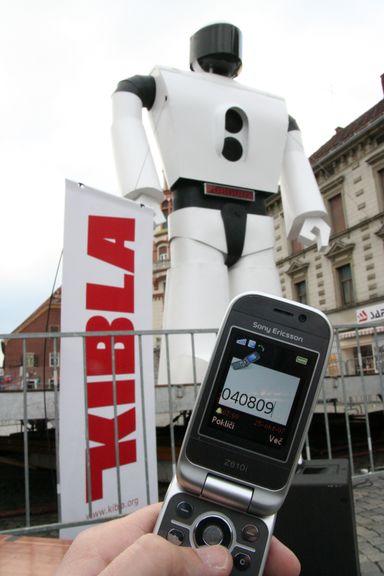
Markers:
point(217, 48)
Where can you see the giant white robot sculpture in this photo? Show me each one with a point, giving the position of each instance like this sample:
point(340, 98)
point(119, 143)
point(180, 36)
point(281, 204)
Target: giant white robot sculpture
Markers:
point(225, 148)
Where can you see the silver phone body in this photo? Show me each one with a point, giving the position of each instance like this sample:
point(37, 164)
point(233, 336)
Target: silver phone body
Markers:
point(251, 418)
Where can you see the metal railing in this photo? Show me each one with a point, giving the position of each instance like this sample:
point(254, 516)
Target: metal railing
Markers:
point(348, 421)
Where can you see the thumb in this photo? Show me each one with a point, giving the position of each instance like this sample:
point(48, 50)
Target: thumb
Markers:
point(214, 560)
point(152, 555)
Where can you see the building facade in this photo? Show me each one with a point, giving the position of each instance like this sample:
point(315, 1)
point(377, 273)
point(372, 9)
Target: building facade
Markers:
point(161, 263)
point(36, 359)
point(347, 280)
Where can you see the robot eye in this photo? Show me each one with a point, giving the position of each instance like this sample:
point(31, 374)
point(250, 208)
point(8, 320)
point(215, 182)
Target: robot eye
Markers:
point(232, 149)
point(233, 121)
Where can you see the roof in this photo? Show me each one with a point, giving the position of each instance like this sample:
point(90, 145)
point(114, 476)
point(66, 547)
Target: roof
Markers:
point(54, 301)
point(343, 135)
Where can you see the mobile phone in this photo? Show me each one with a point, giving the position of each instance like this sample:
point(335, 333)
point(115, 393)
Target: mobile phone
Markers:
point(247, 429)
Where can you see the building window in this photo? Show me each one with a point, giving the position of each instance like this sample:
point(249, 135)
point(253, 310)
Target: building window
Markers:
point(51, 384)
point(377, 164)
point(32, 383)
point(340, 254)
point(296, 247)
point(344, 274)
point(301, 291)
point(380, 178)
point(298, 272)
point(162, 252)
point(336, 213)
point(30, 360)
point(364, 360)
point(54, 359)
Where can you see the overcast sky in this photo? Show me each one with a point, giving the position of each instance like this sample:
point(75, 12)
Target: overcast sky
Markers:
point(60, 60)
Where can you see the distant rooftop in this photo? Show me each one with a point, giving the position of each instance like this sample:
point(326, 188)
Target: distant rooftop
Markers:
point(343, 135)
point(54, 301)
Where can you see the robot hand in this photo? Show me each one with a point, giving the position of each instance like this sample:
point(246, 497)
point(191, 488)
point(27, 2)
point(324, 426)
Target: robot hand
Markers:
point(315, 230)
point(154, 205)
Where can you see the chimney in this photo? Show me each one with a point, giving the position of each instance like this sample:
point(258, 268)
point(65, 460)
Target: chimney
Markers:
point(382, 82)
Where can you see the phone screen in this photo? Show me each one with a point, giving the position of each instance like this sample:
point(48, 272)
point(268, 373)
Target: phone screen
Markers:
point(258, 393)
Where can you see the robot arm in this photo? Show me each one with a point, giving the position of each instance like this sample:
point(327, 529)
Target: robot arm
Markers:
point(136, 170)
point(305, 215)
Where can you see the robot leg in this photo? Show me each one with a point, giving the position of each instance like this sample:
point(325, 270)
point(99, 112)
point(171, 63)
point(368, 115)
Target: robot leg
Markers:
point(196, 298)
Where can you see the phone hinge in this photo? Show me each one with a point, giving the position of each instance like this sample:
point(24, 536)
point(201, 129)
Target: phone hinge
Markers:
point(227, 493)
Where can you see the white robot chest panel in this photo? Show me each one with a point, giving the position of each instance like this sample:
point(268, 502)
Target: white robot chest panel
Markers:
point(212, 129)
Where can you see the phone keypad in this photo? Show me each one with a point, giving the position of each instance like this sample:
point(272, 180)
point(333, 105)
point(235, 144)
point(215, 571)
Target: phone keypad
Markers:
point(176, 536)
point(241, 561)
point(191, 521)
point(184, 509)
point(250, 533)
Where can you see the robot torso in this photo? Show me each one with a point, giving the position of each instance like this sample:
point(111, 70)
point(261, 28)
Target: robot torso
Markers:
point(212, 129)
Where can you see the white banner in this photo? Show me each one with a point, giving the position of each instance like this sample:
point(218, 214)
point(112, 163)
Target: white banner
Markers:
point(107, 286)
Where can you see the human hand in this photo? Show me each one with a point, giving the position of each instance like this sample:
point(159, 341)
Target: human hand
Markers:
point(127, 546)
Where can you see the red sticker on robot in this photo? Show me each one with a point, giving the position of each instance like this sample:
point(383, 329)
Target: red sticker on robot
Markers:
point(229, 192)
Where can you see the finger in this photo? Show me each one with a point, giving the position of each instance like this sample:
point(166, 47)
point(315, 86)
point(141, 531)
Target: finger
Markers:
point(93, 549)
point(323, 238)
point(152, 555)
point(281, 561)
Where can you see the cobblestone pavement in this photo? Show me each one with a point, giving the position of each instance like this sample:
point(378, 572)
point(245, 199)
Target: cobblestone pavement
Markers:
point(369, 509)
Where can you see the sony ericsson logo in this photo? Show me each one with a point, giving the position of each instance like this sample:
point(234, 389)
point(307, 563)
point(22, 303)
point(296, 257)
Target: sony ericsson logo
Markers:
point(277, 332)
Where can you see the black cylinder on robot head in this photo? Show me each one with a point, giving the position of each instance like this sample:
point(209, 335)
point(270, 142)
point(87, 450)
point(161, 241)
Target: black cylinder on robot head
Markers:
point(217, 48)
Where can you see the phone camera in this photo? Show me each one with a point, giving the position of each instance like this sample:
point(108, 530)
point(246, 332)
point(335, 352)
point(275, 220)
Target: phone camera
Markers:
point(302, 317)
point(213, 530)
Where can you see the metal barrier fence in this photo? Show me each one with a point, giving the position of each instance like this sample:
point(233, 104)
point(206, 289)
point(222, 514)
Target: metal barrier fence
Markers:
point(348, 420)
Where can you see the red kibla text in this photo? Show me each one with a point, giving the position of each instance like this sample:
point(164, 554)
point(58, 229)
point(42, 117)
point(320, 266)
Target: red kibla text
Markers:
point(107, 241)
